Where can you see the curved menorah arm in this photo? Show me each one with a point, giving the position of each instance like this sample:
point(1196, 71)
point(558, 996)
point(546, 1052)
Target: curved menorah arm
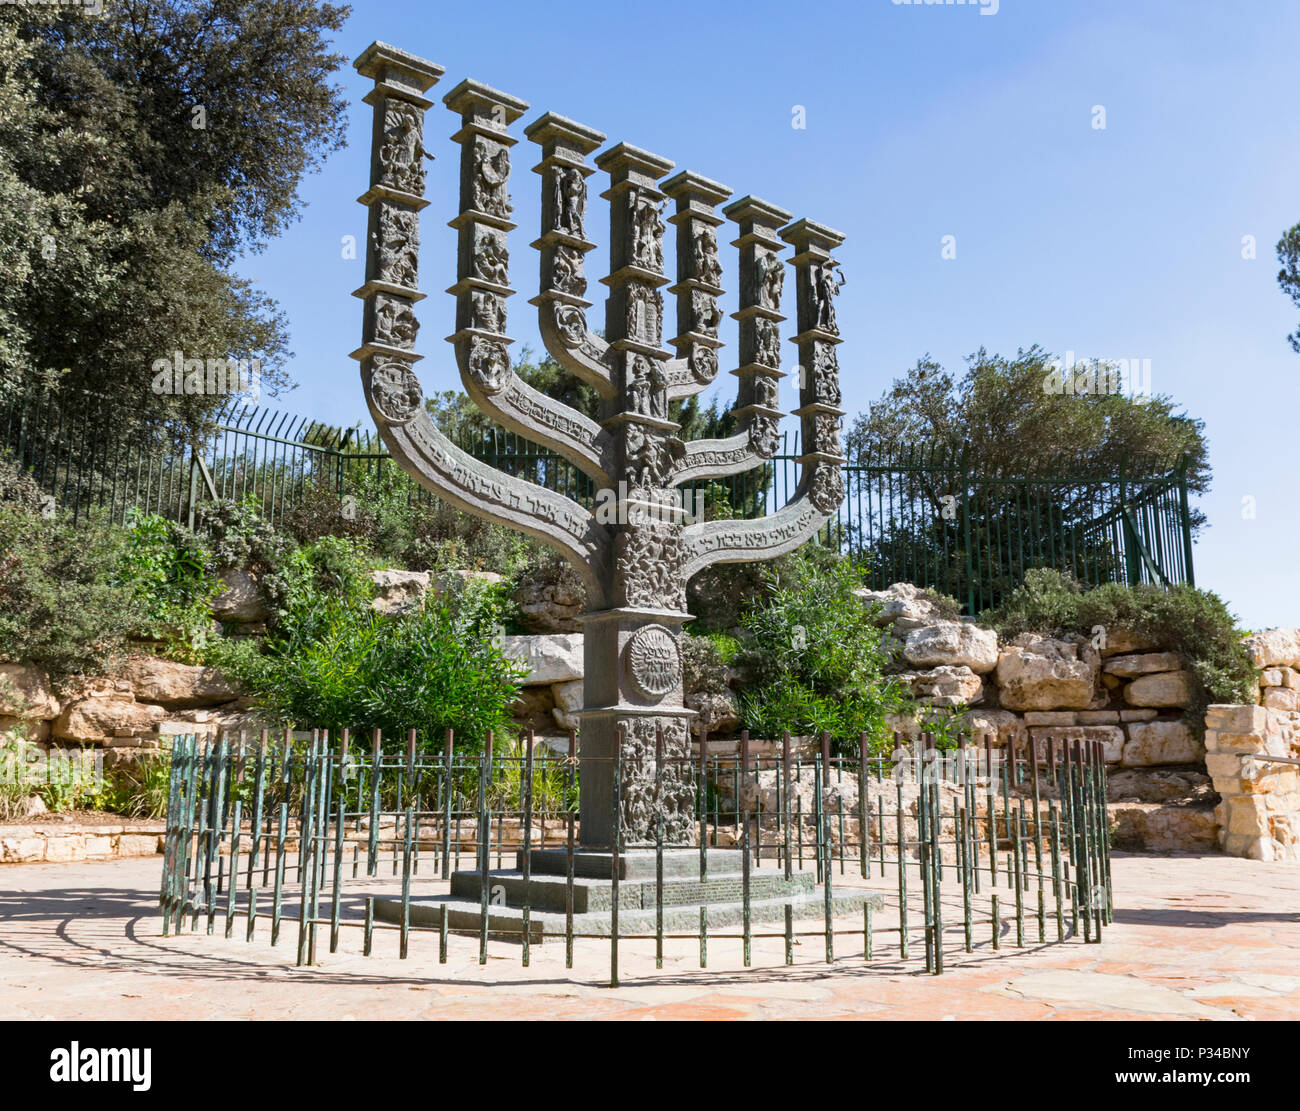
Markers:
point(814, 503)
point(458, 478)
point(482, 288)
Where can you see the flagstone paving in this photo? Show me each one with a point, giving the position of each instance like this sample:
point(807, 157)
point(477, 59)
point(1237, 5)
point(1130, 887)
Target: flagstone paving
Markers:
point(1194, 938)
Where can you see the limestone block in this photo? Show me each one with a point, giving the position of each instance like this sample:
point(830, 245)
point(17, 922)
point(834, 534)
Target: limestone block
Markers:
point(1035, 673)
point(1098, 717)
point(25, 691)
point(101, 719)
point(1137, 715)
point(550, 607)
point(1121, 641)
point(1164, 689)
point(534, 708)
point(1276, 647)
point(1161, 742)
point(550, 658)
point(953, 644)
point(717, 714)
point(1271, 677)
point(1053, 717)
point(398, 592)
point(1290, 677)
point(62, 850)
point(902, 605)
point(21, 849)
point(945, 686)
point(240, 598)
point(1111, 737)
point(1001, 725)
point(1236, 719)
point(137, 844)
point(1130, 667)
point(568, 700)
point(1281, 698)
point(177, 686)
point(1272, 779)
point(1223, 765)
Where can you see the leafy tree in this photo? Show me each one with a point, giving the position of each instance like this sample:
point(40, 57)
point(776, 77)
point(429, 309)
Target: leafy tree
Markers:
point(149, 147)
point(1003, 420)
point(1288, 253)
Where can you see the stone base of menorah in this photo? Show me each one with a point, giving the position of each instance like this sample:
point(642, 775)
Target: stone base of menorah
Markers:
point(684, 893)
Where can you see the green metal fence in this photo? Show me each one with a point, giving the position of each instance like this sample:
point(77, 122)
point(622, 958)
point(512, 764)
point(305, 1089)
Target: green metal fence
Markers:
point(927, 515)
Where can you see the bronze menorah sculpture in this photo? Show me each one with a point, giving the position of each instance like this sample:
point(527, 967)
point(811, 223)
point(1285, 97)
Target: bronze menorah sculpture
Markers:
point(636, 551)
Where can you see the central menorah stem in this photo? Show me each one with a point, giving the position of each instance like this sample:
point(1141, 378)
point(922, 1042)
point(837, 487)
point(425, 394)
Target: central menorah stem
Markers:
point(638, 548)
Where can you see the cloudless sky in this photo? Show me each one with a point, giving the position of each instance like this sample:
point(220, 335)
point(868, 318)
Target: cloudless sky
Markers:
point(922, 122)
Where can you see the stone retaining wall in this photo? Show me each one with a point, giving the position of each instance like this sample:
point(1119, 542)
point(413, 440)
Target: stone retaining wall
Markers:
point(64, 844)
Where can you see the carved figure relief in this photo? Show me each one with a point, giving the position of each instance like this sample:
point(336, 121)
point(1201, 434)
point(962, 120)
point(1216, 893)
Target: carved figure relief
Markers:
point(397, 245)
point(827, 489)
point(827, 281)
point(763, 436)
point(648, 457)
point(648, 564)
point(704, 363)
point(707, 267)
point(826, 375)
point(647, 227)
point(395, 391)
point(765, 391)
point(566, 271)
point(645, 308)
point(402, 153)
point(488, 311)
point(707, 315)
point(826, 433)
point(572, 324)
point(650, 793)
point(570, 201)
point(767, 343)
point(489, 364)
point(395, 323)
point(647, 389)
point(491, 172)
point(771, 280)
point(491, 259)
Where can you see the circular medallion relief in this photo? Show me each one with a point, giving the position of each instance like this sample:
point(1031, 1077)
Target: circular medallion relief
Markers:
point(395, 391)
point(654, 662)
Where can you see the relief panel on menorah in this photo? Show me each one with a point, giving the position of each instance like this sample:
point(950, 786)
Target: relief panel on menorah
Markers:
point(825, 280)
point(706, 316)
point(769, 282)
point(645, 229)
point(767, 343)
point(648, 456)
point(827, 487)
point(566, 271)
point(489, 175)
point(401, 154)
point(764, 435)
point(826, 433)
point(395, 245)
point(394, 389)
point(482, 310)
point(489, 363)
point(655, 790)
point(568, 202)
point(706, 266)
point(822, 383)
point(703, 363)
point(644, 309)
point(646, 391)
point(392, 321)
point(489, 256)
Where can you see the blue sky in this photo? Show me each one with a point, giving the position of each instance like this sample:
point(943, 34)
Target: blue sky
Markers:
point(921, 122)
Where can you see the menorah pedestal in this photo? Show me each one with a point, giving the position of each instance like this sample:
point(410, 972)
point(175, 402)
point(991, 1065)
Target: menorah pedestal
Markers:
point(684, 893)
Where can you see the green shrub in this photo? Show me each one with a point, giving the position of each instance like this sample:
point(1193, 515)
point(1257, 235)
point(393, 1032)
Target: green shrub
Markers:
point(811, 662)
point(139, 788)
point(61, 605)
point(704, 670)
point(168, 570)
point(334, 663)
point(1194, 623)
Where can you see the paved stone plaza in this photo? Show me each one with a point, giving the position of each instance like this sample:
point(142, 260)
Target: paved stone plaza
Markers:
point(1195, 937)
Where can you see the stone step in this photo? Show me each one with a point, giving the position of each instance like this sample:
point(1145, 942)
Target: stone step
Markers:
point(548, 893)
point(632, 863)
point(507, 922)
